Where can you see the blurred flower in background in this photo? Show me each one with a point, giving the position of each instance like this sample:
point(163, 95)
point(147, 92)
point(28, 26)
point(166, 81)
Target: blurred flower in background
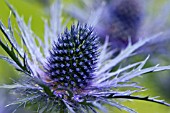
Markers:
point(119, 19)
point(124, 19)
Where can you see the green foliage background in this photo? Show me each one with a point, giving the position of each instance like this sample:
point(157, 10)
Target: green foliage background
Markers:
point(38, 10)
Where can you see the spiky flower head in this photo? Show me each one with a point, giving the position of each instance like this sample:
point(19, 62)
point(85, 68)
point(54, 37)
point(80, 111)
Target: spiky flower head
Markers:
point(73, 59)
point(73, 72)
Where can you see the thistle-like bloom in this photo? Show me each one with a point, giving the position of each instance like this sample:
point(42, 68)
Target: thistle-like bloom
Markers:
point(120, 19)
point(73, 59)
point(71, 71)
point(123, 19)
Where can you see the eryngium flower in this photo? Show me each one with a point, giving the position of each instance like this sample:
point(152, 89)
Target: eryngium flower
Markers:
point(120, 20)
point(73, 72)
point(73, 59)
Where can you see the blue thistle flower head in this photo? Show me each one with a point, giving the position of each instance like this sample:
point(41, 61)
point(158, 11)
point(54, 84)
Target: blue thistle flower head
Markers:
point(73, 72)
point(73, 59)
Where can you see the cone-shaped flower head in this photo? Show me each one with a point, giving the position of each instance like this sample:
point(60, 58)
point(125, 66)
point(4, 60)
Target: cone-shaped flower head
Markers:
point(73, 58)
